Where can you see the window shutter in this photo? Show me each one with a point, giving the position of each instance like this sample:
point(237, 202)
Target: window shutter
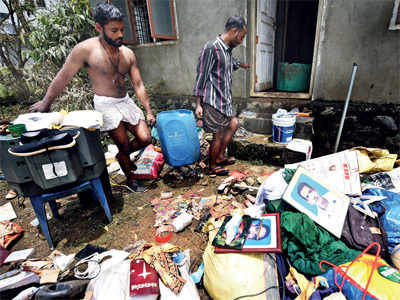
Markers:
point(162, 19)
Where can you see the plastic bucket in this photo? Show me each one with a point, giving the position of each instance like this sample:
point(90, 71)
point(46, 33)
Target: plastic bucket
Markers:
point(293, 77)
point(282, 128)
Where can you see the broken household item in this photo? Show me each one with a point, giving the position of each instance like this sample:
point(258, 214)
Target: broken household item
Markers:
point(372, 160)
point(263, 235)
point(9, 231)
point(89, 119)
point(300, 146)
point(19, 255)
point(73, 289)
point(149, 164)
point(231, 275)
point(178, 136)
point(387, 180)
point(189, 290)
point(366, 277)
point(283, 125)
point(7, 212)
point(37, 121)
point(318, 200)
point(340, 169)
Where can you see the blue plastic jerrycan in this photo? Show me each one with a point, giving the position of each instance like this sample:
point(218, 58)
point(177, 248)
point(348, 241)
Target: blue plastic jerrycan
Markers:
point(178, 136)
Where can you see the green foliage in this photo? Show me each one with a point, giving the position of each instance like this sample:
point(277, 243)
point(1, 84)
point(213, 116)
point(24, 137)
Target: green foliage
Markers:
point(59, 28)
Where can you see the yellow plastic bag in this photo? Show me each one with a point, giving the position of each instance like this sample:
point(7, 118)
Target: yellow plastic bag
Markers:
point(366, 277)
point(231, 275)
point(372, 160)
point(307, 288)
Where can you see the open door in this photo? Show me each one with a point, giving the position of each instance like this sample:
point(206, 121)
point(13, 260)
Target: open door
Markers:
point(265, 44)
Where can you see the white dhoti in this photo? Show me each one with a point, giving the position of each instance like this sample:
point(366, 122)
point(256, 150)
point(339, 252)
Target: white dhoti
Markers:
point(115, 110)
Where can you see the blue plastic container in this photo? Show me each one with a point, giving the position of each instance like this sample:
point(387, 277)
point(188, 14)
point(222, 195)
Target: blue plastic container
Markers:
point(178, 136)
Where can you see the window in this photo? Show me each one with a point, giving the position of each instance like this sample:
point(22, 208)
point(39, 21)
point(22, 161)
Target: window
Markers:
point(41, 3)
point(146, 21)
point(395, 21)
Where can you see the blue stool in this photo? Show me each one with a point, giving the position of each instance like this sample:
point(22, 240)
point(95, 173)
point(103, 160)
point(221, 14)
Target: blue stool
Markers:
point(94, 185)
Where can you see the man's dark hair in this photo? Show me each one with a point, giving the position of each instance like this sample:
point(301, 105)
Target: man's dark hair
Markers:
point(301, 186)
point(235, 22)
point(104, 13)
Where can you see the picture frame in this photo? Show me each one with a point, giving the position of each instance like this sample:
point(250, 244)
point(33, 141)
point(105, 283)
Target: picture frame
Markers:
point(324, 204)
point(261, 239)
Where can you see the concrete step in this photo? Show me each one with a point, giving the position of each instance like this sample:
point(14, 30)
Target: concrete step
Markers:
point(259, 149)
point(261, 123)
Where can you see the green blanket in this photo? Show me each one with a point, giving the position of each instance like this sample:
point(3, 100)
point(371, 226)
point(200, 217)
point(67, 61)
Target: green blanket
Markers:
point(306, 244)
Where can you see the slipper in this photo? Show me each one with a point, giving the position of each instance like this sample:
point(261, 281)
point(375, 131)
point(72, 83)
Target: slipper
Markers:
point(227, 161)
point(218, 171)
point(11, 195)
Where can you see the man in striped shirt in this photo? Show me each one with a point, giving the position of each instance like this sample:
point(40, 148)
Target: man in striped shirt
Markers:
point(213, 91)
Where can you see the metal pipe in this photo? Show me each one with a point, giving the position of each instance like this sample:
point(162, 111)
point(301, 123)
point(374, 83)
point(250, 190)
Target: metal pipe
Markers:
point(346, 104)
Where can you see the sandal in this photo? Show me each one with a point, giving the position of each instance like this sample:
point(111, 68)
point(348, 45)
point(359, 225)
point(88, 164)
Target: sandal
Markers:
point(11, 195)
point(227, 161)
point(218, 171)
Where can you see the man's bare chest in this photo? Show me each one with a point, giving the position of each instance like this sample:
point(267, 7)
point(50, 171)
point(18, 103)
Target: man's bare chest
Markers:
point(102, 63)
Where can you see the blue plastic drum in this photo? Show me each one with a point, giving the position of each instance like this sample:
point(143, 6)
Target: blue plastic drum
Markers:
point(178, 136)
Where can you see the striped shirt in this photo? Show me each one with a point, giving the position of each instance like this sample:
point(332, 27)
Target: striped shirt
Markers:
point(214, 76)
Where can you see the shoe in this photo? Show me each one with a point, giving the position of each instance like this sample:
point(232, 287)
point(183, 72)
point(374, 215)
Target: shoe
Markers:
point(227, 161)
point(61, 140)
point(218, 171)
point(30, 136)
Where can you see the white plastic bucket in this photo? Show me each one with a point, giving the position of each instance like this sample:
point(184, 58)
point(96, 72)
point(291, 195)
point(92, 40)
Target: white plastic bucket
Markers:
point(283, 128)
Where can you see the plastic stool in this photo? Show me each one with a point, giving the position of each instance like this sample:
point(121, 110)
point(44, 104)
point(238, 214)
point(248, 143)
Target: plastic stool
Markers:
point(38, 203)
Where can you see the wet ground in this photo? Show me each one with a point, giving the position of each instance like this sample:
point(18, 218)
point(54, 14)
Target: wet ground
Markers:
point(133, 218)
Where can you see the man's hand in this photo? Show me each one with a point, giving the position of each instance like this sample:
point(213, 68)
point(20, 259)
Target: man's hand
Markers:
point(150, 119)
point(245, 66)
point(40, 106)
point(199, 112)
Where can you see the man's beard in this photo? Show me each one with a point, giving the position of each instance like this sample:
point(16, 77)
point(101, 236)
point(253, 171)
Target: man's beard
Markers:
point(116, 43)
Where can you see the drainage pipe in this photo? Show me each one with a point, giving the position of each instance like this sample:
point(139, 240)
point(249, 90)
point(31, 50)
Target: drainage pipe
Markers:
point(346, 104)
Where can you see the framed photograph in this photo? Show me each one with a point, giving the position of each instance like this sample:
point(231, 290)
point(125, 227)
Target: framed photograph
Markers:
point(264, 235)
point(318, 200)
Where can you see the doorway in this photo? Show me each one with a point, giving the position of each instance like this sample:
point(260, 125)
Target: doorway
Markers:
point(284, 47)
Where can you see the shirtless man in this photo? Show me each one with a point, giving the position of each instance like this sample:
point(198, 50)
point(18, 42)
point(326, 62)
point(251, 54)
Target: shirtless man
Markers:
point(107, 62)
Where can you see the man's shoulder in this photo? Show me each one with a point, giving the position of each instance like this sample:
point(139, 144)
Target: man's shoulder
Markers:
point(94, 41)
point(210, 44)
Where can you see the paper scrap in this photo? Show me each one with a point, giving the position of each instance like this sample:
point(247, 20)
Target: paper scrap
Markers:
point(7, 212)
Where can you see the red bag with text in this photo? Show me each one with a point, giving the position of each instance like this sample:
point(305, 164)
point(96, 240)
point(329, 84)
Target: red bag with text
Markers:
point(143, 279)
point(149, 164)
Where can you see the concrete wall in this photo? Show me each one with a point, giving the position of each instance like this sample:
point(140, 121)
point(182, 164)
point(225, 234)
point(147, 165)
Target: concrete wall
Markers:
point(175, 64)
point(357, 31)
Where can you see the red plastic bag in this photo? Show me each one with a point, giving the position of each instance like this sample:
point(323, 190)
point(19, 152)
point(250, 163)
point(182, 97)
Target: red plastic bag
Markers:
point(149, 164)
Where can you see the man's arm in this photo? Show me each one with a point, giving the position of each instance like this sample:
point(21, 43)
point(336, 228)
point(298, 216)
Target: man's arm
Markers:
point(73, 63)
point(204, 66)
point(140, 90)
point(237, 64)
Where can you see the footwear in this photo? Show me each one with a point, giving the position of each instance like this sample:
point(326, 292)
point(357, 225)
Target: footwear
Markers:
point(227, 161)
point(136, 187)
point(62, 140)
point(11, 195)
point(218, 171)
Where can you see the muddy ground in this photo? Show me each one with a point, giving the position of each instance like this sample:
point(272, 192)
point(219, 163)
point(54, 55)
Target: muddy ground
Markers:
point(133, 218)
